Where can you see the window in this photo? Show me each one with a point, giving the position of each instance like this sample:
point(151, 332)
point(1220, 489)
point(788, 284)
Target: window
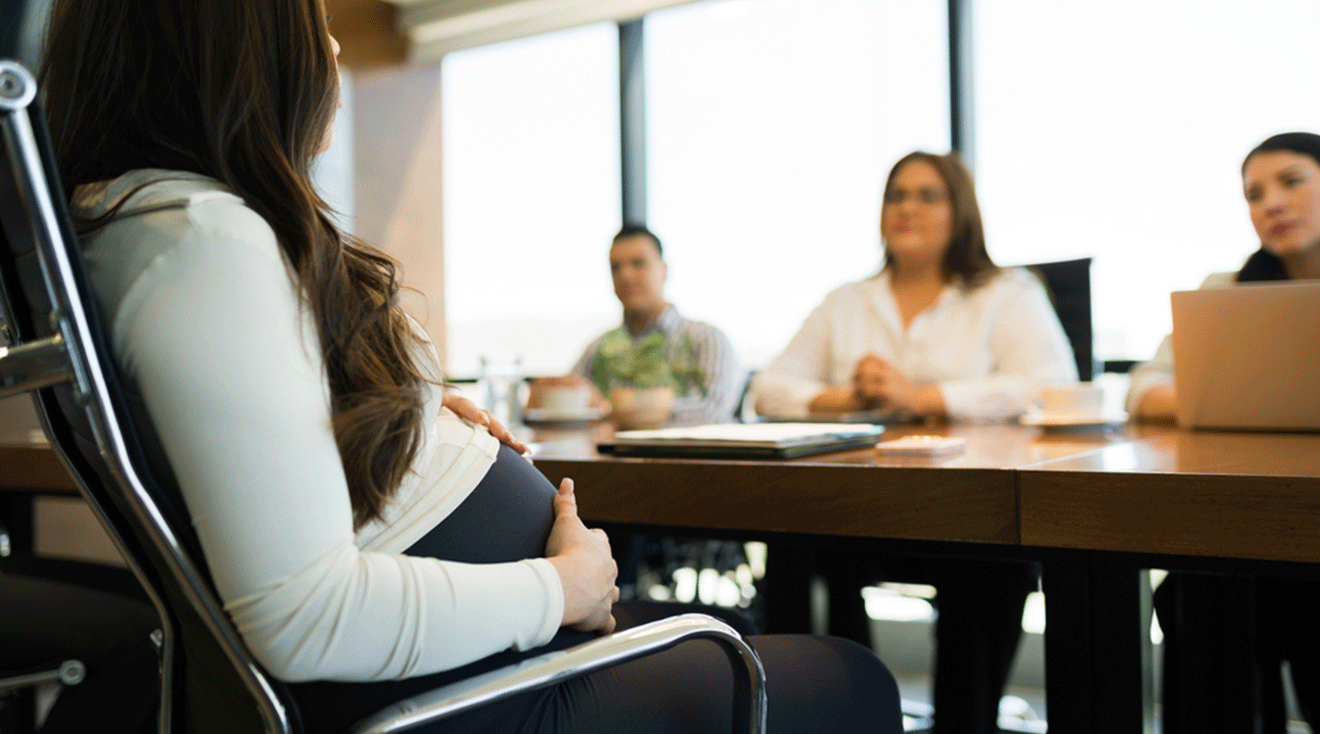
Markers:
point(531, 197)
point(1116, 130)
point(771, 125)
point(332, 170)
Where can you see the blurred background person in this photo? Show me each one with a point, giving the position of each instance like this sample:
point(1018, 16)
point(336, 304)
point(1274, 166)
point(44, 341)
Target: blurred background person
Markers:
point(654, 345)
point(941, 331)
point(1281, 181)
point(1209, 621)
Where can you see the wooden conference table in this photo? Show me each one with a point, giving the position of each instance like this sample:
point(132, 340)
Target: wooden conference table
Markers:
point(1093, 508)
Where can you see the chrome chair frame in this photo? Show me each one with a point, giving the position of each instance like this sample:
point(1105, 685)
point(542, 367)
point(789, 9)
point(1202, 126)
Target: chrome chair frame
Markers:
point(124, 490)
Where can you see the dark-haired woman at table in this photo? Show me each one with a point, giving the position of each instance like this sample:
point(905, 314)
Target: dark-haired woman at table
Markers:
point(941, 331)
point(1211, 621)
point(1281, 182)
point(369, 535)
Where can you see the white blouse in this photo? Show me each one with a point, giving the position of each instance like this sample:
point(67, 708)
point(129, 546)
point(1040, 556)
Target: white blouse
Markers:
point(1159, 369)
point(207, 326)
point(988, 349)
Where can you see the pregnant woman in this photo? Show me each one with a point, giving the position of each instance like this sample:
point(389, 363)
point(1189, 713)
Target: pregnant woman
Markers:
point(368, 535)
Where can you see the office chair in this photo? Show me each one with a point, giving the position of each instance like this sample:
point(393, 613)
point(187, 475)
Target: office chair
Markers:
point(59, 350)
point(18, 712)
point(1069, 285)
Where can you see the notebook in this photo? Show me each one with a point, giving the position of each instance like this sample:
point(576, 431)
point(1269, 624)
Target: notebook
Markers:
point(1248, 357)
point(744, 440)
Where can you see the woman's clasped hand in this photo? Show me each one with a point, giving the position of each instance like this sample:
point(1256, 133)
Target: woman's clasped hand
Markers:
point(878, 384)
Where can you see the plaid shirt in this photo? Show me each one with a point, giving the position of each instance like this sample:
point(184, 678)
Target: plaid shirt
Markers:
point(711, 351)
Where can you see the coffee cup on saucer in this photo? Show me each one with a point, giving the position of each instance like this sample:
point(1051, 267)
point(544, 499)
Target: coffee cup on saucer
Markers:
point(566, 399)
point(1076, 400)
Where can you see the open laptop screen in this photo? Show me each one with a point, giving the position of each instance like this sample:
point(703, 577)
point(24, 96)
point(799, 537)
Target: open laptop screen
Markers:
point(1248, 357)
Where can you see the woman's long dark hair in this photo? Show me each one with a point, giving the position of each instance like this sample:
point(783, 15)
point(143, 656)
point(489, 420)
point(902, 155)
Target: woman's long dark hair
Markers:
point(966, 258)
point(245, 91)
point(1263, 264)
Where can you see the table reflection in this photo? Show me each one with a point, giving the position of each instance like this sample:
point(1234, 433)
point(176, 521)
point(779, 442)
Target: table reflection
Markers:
point(1165, 449)
point(989, 446)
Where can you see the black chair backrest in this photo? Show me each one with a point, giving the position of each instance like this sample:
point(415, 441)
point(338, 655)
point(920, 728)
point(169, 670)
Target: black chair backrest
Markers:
point(93, 427)
point(21, 22)
point(1069, 285)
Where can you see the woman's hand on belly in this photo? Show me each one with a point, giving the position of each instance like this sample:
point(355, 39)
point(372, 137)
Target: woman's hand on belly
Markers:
point(586, 568)
point(468, 411)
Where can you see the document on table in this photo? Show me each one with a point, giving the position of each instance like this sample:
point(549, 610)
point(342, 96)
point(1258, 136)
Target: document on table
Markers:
point(744, 440)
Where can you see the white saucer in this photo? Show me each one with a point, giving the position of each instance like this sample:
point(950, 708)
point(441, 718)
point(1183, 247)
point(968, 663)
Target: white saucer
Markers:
point(1072, 421)
point(547, 415)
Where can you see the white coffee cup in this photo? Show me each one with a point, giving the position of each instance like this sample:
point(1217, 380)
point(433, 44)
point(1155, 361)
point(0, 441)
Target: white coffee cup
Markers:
point(566, 399)
point(1081, 399)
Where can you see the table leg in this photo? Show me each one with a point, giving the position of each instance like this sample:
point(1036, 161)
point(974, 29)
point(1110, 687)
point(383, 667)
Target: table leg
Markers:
point(790, 567)
point(1098, 672)
point(16, 524)
point(1214, 681)
point(1124, 659)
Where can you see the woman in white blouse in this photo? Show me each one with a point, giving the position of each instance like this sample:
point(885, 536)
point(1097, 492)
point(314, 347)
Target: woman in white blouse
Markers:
point(940, 331)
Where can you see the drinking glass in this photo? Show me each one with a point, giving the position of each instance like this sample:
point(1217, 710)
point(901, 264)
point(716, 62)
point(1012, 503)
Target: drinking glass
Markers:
point(499, 387)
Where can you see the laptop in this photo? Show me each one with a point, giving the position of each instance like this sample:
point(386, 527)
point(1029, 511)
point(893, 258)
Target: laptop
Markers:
point(1248, 357)
point(743, 440)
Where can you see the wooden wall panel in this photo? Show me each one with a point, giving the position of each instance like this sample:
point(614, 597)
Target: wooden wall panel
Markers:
point(366, 33)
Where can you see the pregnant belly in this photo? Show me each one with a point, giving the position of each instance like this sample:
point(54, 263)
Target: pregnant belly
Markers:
point(506, 518)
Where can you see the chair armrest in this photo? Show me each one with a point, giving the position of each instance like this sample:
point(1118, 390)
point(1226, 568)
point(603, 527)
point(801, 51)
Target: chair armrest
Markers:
point(749, 703)
point(68, 672)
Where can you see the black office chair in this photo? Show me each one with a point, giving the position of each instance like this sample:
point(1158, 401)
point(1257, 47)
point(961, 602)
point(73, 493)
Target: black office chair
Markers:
point(67, 634)
point(59, 351)
point(1069, 285)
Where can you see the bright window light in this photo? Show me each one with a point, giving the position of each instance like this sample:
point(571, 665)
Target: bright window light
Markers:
point(1033, 614)
point(1157, 576)
point(756, 554)
point(531, 197)
point(1116, 130)
point(771, 125)
point(685, 584)
point(883, 603)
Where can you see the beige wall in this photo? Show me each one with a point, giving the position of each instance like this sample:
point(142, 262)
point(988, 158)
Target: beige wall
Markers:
point(397, 165)
point(64, 527)
point(396, 140)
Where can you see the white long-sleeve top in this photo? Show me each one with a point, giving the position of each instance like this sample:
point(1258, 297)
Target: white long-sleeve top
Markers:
point(988, 349)
point(1158, 370)
point(207, 327)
